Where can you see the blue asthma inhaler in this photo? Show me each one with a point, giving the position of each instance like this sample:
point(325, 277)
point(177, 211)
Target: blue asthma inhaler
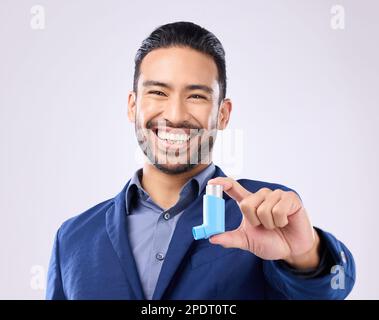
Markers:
point(213, 213)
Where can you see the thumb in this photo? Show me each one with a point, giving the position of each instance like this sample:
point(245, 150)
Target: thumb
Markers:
point(229, 239)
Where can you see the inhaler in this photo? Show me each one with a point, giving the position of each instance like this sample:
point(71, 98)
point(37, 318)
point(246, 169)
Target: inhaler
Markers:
point(213, 213)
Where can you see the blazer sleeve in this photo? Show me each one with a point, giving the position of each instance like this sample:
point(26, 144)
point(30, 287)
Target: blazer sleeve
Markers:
point(336, 283)
point(54, 288)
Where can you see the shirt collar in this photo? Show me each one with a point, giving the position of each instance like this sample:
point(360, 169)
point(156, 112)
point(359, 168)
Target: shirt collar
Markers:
point(134, 186)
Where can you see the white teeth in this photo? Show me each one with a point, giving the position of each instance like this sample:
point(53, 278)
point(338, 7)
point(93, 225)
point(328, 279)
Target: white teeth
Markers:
point(173, 137)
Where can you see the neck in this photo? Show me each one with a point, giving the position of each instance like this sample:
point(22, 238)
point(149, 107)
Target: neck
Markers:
point(164, 188)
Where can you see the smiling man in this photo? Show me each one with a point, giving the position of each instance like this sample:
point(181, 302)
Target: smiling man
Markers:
point(139, 244)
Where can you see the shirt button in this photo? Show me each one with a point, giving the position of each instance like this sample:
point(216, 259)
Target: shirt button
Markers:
point(167, 216)
point(159, 256)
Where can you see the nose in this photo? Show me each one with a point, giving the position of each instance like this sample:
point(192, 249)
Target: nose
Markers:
point(176, 112)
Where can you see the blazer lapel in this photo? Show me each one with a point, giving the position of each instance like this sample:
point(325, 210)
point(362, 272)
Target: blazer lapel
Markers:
point(181, 241)
point(116, 226)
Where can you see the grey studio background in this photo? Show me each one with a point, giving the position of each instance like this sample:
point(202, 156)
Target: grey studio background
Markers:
point(305, 109)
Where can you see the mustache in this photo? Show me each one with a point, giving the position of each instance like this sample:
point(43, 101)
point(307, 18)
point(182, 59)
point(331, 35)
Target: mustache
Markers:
point(166, 123)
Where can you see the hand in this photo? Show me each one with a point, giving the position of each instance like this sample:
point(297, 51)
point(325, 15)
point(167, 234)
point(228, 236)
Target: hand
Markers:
point(274, 225)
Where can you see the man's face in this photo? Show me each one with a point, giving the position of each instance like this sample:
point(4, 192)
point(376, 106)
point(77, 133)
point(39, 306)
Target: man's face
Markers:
point(176, 110)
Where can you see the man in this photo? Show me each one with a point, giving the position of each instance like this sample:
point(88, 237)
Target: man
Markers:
point(139, 245)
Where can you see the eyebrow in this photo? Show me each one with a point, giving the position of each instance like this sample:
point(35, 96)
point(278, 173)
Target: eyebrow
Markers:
point(150, 83)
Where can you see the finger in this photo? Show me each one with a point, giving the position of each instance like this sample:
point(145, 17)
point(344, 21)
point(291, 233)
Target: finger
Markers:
point(250, 204)
point(264, 211)
point(231, 187)
point(230, 239)
point(288, 205)
point(280, 212)
point(296, 203)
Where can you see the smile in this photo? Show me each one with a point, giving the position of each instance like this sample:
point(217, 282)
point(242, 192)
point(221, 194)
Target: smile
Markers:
point(172, 138)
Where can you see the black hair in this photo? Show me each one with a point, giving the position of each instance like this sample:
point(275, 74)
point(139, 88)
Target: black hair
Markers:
point(184, 34)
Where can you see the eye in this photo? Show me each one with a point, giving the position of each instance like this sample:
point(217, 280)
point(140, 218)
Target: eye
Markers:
point(197, 96)
point(158, 93)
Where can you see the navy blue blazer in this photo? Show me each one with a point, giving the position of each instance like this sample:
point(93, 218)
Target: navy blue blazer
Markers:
point(92, 259)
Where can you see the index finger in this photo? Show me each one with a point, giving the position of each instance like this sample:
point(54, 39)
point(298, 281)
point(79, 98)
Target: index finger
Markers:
point(231, 187)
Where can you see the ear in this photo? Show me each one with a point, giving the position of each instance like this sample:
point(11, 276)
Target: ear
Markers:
point(132, 97)
point(224, 114)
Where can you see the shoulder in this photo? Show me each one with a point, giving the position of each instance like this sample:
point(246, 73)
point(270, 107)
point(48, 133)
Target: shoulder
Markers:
point(89, 220)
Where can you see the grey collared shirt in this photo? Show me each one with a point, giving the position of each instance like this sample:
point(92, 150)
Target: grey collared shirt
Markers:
point(150, 227)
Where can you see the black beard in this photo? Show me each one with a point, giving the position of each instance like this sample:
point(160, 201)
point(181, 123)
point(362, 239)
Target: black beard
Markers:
point(178, 168)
